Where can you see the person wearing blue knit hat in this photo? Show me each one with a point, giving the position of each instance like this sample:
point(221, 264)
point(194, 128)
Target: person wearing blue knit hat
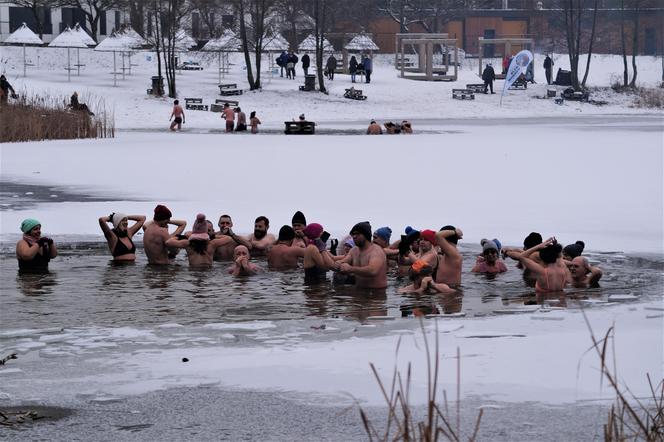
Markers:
point(381, 236)
point(34, 251)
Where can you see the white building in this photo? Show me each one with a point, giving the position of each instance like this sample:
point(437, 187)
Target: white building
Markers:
point(55, 20)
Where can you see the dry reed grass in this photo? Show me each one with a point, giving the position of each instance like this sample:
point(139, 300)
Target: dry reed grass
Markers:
point(629, 418)
point(437, 422)
point(46, 117)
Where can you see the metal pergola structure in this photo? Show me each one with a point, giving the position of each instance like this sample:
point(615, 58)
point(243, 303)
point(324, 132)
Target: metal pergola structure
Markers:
point(507, 42)
point(425, 70)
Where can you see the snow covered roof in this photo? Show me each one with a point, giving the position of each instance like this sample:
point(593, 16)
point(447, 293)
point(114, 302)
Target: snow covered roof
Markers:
point(361, 42)
point(138, 41)
point(183, 41)
point(23, 35)
point(84, 35)
point(227, 42)
point(67, 39)
point(309, 44)
point(117, 42)
point(275, 43)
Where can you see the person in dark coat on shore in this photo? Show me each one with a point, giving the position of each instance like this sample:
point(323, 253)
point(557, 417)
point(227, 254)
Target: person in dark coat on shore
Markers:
point(548, 68)
point(331, 66)
point(367, 63)
point(290, 65)
point(282, 61)
point(5, 87)
point(488, 75)
point(306, 62)
point(352, 68)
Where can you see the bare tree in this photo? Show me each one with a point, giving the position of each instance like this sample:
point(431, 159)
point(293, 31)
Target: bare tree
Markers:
point(38, 8)
point(622, 41)
point(320, 12)
point(590, 45)
point(210, 12)
point(93, 10)
point(635, 42)
point(168, 16)
point(290, 11)
point(137, 15)
point(573, 14)
point(253, 29)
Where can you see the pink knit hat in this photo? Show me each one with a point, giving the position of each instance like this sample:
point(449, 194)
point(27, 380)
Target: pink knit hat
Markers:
point(313, 230)
point(200, 229)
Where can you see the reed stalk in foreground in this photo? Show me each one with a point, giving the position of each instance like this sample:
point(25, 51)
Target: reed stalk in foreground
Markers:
point(437, 422)
point(629, 418)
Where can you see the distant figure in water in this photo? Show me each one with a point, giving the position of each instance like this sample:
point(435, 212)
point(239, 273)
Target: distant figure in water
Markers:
point(551, 275)
point(406, 127)
point(199, 245)
point(241, 120)
point(374, 128)
point(241, 265)
point(34, 251)
point(178, 114)
point(489, 262)
point(119, 238)
point(254, 121)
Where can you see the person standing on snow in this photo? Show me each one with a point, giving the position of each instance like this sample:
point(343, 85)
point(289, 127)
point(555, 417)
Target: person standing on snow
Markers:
point(489, 75)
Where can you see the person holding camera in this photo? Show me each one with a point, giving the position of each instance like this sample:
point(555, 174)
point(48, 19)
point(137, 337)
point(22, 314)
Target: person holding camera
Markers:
point(34, 251)
point(317, 259)
point(225, 251)
point(5, 87)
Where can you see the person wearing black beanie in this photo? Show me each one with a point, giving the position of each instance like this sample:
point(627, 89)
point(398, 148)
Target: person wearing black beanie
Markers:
point(363, 228)
point(299, 222)
point(366, 261)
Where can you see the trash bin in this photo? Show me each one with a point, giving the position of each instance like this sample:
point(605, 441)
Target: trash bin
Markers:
point(157, 85)
point(309, 82)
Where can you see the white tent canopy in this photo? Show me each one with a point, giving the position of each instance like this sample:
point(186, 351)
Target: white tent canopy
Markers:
point(183, 42)
point(309, 44)
point(118, 42)
point(138, 42)
point(84, 35)
point(361, 42)
point(68, 39)
point(23, 36)
point(226, 43)
point(275, 43)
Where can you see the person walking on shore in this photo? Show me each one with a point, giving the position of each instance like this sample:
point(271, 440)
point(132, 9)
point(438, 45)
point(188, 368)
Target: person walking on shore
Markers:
point(178, 113)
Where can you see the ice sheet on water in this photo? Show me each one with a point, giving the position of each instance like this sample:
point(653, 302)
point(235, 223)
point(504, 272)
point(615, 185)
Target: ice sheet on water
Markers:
point(255, 325)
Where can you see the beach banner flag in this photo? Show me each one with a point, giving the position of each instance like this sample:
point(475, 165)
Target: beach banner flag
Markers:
point(518, 66)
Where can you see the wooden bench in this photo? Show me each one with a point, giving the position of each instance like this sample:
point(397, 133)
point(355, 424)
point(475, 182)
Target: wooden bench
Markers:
point(218, 105)
point(475, 87)
point(229, 89)
point(575, 96)
point(354, 94)
point(195, 104)
point(300, 127)
point(463, 94)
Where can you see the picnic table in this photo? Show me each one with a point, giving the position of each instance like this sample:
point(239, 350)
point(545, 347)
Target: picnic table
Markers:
point(229, 89)
point(195, 104)
point(299, 127)
point(475, 87)
point(463, 94)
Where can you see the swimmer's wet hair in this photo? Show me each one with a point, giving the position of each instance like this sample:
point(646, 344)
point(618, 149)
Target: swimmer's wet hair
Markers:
point(550, 253)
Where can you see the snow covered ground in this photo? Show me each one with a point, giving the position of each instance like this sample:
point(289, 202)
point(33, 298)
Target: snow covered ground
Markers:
point(577, 171)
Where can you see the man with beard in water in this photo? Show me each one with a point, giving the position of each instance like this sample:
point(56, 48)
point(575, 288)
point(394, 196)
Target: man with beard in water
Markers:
point(225, 251)
point(366, 261)
point(200, 248)
point(156, 234)
point(260, 240)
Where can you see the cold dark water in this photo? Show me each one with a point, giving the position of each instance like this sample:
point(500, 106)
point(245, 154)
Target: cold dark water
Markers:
point(84, 287)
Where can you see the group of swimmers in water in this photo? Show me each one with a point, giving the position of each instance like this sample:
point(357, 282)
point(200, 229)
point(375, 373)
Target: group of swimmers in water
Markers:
point(430, 259)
